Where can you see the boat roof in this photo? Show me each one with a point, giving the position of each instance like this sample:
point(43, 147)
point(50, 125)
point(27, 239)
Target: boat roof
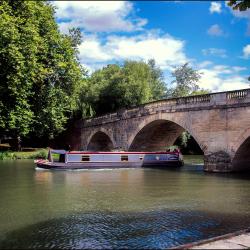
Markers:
point(58, 151)
point(121, 152)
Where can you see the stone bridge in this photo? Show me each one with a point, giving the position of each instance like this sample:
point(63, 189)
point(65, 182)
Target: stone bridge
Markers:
point(219, 122)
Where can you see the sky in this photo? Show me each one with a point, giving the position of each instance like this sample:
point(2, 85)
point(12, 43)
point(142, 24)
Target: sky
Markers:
point(210, 36)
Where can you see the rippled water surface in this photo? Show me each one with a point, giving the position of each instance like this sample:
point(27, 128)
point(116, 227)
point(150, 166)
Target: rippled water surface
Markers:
point(121, 208)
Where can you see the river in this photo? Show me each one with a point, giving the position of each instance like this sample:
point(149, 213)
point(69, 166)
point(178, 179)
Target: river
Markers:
point(120, 208)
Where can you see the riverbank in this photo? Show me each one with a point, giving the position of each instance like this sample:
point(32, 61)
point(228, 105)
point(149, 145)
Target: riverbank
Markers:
point(14, 155)
point(236, 240)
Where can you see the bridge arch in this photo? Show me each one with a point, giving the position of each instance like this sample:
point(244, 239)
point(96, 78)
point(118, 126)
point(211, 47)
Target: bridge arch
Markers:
point(158, 133)
point(100, 140)
point(241, 157)
point(241, 139)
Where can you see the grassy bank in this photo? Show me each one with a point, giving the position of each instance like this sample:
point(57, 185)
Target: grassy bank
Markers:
point(12, 155)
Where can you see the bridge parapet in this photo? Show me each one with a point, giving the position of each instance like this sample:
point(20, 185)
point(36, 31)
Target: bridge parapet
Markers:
point(238, 94)
point(197, 102)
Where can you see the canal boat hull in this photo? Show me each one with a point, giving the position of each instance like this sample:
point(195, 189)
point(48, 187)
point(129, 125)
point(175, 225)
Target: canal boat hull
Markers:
point(89, 165)
point(109, 160)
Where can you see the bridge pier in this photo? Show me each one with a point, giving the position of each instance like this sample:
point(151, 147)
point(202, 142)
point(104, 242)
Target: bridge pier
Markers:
point(218, 162)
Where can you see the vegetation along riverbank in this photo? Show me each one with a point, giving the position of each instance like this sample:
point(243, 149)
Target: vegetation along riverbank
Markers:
point(14, 155)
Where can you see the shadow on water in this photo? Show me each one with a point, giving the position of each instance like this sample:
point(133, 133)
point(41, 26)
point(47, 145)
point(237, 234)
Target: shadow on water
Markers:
point(197, 169)
point(113, 230)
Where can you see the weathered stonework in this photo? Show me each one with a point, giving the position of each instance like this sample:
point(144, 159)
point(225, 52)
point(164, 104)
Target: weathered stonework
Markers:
point(219, 122)
point(217, 162)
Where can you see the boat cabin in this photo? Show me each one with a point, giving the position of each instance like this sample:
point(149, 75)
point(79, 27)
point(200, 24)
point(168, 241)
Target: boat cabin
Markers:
point(81, 157)
point(62, 159)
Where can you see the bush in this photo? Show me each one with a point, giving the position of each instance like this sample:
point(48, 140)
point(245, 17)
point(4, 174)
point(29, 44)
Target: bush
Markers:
point(7, 155)
point(40, 154)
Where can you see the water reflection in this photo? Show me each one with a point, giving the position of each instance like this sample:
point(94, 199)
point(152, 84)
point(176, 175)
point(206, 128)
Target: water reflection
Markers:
point(146, 230)
point(133, 208)
point(42, 177)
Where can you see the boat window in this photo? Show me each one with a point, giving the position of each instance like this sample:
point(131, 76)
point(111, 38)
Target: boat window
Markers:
point(124, 158)
point(141, 158)
point(85, 158)
point(149, 157)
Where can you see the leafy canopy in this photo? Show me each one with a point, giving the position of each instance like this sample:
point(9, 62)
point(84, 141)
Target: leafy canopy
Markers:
point(39, 70)
point(185, 80)
point(122, 86)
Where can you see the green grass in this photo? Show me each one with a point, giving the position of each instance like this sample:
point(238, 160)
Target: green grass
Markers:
point(10, 155)
point(7, 155)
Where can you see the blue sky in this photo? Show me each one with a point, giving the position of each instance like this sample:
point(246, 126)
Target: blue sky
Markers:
point(212, 37)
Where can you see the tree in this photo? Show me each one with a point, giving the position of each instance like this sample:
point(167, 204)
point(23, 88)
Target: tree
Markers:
point(156, 82)
point(136, 83)
point(122, 86)
point(186, 80)
point(200, 92)
point(103, 94)
point(39, 70)
point(239, 5)
point(15, 86)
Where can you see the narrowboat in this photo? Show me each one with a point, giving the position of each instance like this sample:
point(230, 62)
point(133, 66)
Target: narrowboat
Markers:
point(61, 159)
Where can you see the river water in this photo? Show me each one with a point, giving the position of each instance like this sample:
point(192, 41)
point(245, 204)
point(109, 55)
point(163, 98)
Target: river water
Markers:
point(120, 208)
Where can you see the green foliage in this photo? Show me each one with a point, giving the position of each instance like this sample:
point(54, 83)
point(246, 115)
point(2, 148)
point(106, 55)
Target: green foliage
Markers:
point(171, 148)
point(156, 81)
point(239, 5)
point(41, 154)
point(186, 79)
point(135, 87)
point(121, 86)
point(16, 37)
point(7, 155)
point(39, 70)
point(200, 92)
point(185, 136)
point(38, 154)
